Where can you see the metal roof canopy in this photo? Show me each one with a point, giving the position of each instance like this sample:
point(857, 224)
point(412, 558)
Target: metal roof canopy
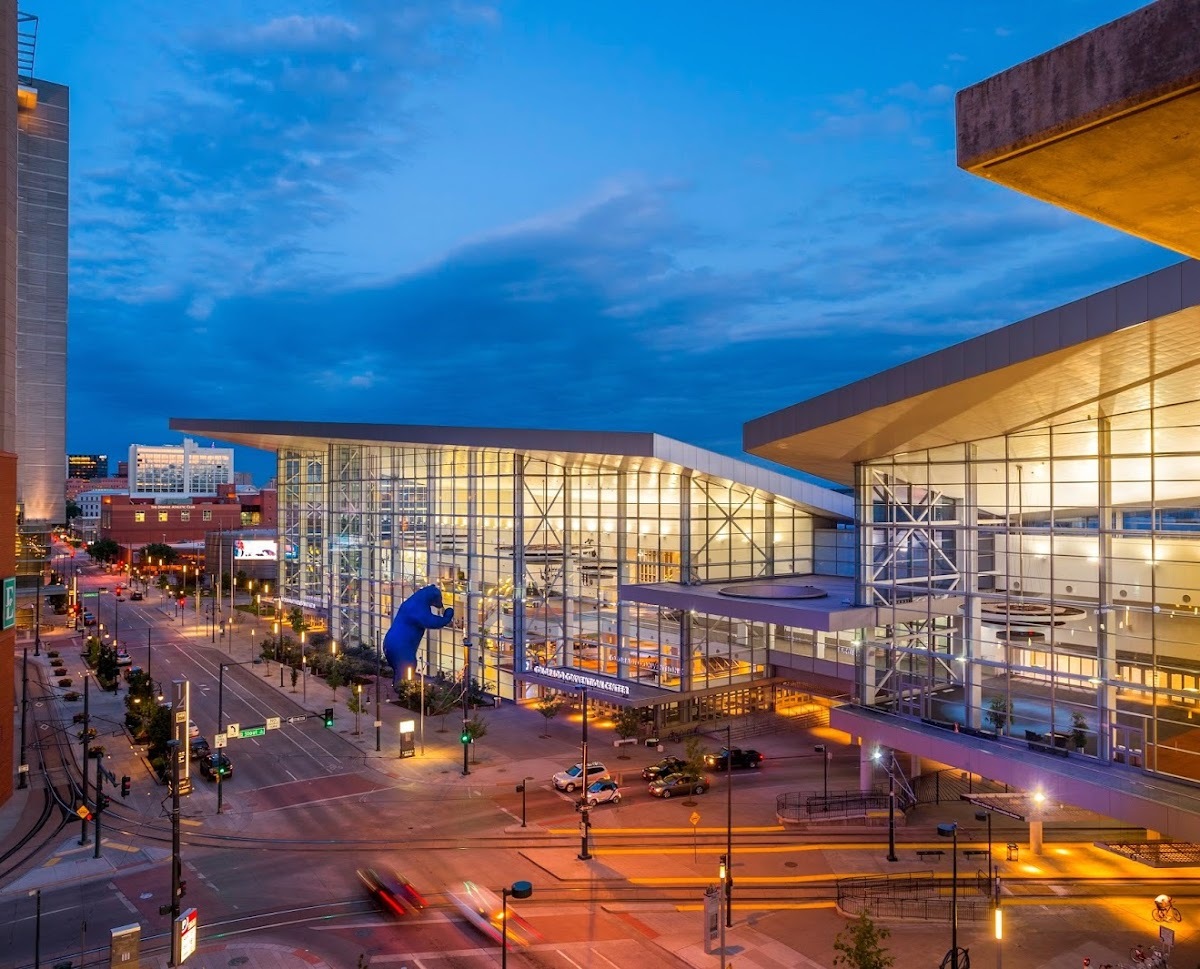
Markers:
point(618, 450)
point(1023, 806)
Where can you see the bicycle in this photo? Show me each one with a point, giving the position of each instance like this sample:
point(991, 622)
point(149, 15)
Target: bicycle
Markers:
point(1168, 913)
point(1151, 956)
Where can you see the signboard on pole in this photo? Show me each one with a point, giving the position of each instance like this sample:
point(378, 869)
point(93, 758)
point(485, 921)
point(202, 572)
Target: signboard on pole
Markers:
point(184, 936)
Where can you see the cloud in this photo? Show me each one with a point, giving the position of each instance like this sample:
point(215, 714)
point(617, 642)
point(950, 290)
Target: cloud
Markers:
point(253, 141)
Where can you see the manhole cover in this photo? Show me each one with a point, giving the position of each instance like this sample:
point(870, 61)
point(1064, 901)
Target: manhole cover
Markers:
point(146, 895)
point(791, 864)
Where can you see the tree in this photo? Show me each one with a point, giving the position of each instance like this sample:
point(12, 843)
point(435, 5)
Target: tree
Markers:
point(997, 713)
point(476, 728)
point(297, 621)
point(295, 677)
point(1078, 729)
point(335, 677)
point(860, 946)
point(107, 668)
point(158, 550)
point(549, 707)
point(627, 723)
point(694, 754)
point(439, 701)
point(104, 550)
point(356, 705)
point(72, 510)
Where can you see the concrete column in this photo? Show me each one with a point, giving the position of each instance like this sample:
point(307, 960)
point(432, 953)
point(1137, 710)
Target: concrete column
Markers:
point(866, 768)
point(1035, 837)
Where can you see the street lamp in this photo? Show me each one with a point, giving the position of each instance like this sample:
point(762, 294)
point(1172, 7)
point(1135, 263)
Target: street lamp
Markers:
point(518, 890)
point(987, 816)
point(357, 705)
point(521, 790)
point(821, 749)
point(585, 821)
point(889, 765)
point(728, 879)
point(950, 830)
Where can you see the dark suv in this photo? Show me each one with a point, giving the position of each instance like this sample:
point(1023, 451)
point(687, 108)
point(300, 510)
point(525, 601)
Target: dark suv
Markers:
point(214, 765)
point(733, 756)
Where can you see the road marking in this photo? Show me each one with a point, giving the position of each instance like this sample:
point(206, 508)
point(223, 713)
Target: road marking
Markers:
point(597, 952)
point(570, 960)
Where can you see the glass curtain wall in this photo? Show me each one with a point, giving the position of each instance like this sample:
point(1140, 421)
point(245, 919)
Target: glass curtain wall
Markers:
point(530, 553)
point(1044, 585)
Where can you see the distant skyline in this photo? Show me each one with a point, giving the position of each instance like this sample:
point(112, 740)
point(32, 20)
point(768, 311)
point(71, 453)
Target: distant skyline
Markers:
point(653, 217)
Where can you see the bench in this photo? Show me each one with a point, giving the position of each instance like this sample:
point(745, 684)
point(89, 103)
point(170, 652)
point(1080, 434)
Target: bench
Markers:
point(930, 853)
point(976, 852)
point(625, 742)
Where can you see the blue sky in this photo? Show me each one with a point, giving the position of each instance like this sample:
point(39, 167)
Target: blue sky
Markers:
point(664, 216)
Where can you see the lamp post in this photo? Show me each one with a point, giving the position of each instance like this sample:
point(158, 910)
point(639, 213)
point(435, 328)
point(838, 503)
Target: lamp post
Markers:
point(37, 618)
point(518, 890)
point(998, 925)
point(304, 670)
point(585, 821)
point(357, 706)
point(378, 708)
point(22, 767)
point(823, 751)
point(728, 879)
point(951, 831)
point(521, 790)
point(889, 766)
point(987, 816)
point(724, 875)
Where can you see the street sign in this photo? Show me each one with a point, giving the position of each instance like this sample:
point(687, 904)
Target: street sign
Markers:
point(273, 723)
point(259, 731)
point(233, 729)
point(296, 719)
point(183, 936)
point(220, 740)
point(89, 595)
point(10, 603)
point(695, 818)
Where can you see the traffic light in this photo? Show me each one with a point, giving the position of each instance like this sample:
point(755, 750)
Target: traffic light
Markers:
point(329, 716)
point(182, 601)
point(125, 786)
point(466, 732)
point(102, 803)
point(182, 887)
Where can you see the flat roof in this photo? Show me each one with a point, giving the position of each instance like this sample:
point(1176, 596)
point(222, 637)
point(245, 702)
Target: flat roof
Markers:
point(629, 450)
point(1127, 348)
point(832, 613)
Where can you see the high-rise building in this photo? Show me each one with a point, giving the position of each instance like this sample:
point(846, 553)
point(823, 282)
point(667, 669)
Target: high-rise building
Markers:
point(89, 466)
point(43, 126)
point(170, 472)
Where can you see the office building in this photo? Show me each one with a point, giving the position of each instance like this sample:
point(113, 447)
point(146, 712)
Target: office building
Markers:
point(87, 466)
point(170, 472)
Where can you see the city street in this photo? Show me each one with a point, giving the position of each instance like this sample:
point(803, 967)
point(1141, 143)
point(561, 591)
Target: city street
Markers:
point(307, 806)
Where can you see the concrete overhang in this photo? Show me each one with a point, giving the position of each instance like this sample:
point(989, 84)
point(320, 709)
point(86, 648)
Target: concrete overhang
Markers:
point(1127, 348)
point(1107, 125)
point(834, 612)
point(1114, 790)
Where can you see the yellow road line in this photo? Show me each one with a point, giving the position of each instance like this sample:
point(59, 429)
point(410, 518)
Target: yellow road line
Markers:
point(670, 830)
point(751, 907)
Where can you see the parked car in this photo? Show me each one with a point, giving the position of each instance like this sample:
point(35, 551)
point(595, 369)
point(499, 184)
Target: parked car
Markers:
point(572, 778)
point(123, 657)
point(200, 749)
point(193, 730)
point(215, 765)
point(391, 890)
point(605, 791)
point(135, 597)
point(131, 672)
point(102, 588)
point(674, 784)
point(668, 765)
point(89, 619)
point(740, 759)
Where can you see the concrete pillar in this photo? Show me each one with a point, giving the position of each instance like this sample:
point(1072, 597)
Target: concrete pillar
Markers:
point(1035, 837)
point(866, 768)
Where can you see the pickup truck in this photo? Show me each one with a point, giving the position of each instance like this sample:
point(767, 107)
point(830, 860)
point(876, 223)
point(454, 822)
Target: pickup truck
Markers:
point(740, 759)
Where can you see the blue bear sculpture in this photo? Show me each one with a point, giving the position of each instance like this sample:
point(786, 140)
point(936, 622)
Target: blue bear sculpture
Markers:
point(420, 611)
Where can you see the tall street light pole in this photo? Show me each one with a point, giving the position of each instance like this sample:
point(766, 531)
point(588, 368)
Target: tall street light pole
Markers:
point(951, 831)
point(23, 767)
point(728, 827)
point(987, 816)
point(585, 821)
point(824, 752)
point(378, 708)
point(518, 890)
point(37, 618)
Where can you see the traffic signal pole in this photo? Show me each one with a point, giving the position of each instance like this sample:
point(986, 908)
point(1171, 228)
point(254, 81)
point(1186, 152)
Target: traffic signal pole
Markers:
point(99, 803)
point(83, 831)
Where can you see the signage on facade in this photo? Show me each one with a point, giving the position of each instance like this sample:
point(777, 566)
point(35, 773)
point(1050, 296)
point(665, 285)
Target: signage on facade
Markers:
point(578, 678)
point(10, 603)
point(184, 932)
point(255, 549)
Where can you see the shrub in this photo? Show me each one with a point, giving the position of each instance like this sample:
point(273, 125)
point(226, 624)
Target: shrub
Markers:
point(53, 653)
point(71, 697)
point(96, 751)
point(65, 681)
point(78, 718)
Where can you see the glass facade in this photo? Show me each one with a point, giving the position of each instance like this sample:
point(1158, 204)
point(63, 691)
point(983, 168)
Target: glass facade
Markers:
point(1043, 583)
point(530, 551)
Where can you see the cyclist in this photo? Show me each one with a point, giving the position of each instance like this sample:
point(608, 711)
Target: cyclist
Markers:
point(1164, 903)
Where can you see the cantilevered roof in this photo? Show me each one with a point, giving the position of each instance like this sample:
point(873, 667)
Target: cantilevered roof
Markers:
point(611, 449)
point(1105, 125)
point(1127, 348)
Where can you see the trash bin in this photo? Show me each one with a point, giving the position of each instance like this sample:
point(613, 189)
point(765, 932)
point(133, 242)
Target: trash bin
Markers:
point(1012, 851)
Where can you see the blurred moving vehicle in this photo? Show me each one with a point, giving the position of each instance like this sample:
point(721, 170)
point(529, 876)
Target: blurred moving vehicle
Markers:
point(391, 890)
point(200, 748)
point(484, 909)
point(674, 784)
point(89, 619)
point(193, 730)
point(740, 759)
point(668, 765)
point(604, 791)
point(135, 597)
point(571, 778)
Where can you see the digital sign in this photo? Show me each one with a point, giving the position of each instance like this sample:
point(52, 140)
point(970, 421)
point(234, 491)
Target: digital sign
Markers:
point(266, 549)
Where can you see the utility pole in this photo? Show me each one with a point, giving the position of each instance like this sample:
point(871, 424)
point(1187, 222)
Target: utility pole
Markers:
point(585, 821)
point(99, 802)
point(466, 715)
point(23, 767)
point(83, 831)
point(176, 868)
point(378, 711)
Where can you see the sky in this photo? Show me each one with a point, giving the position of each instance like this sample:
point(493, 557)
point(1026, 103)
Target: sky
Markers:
point(670, 217)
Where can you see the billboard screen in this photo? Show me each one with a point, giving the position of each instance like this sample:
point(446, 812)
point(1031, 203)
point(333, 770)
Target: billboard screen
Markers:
point(255, 549)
